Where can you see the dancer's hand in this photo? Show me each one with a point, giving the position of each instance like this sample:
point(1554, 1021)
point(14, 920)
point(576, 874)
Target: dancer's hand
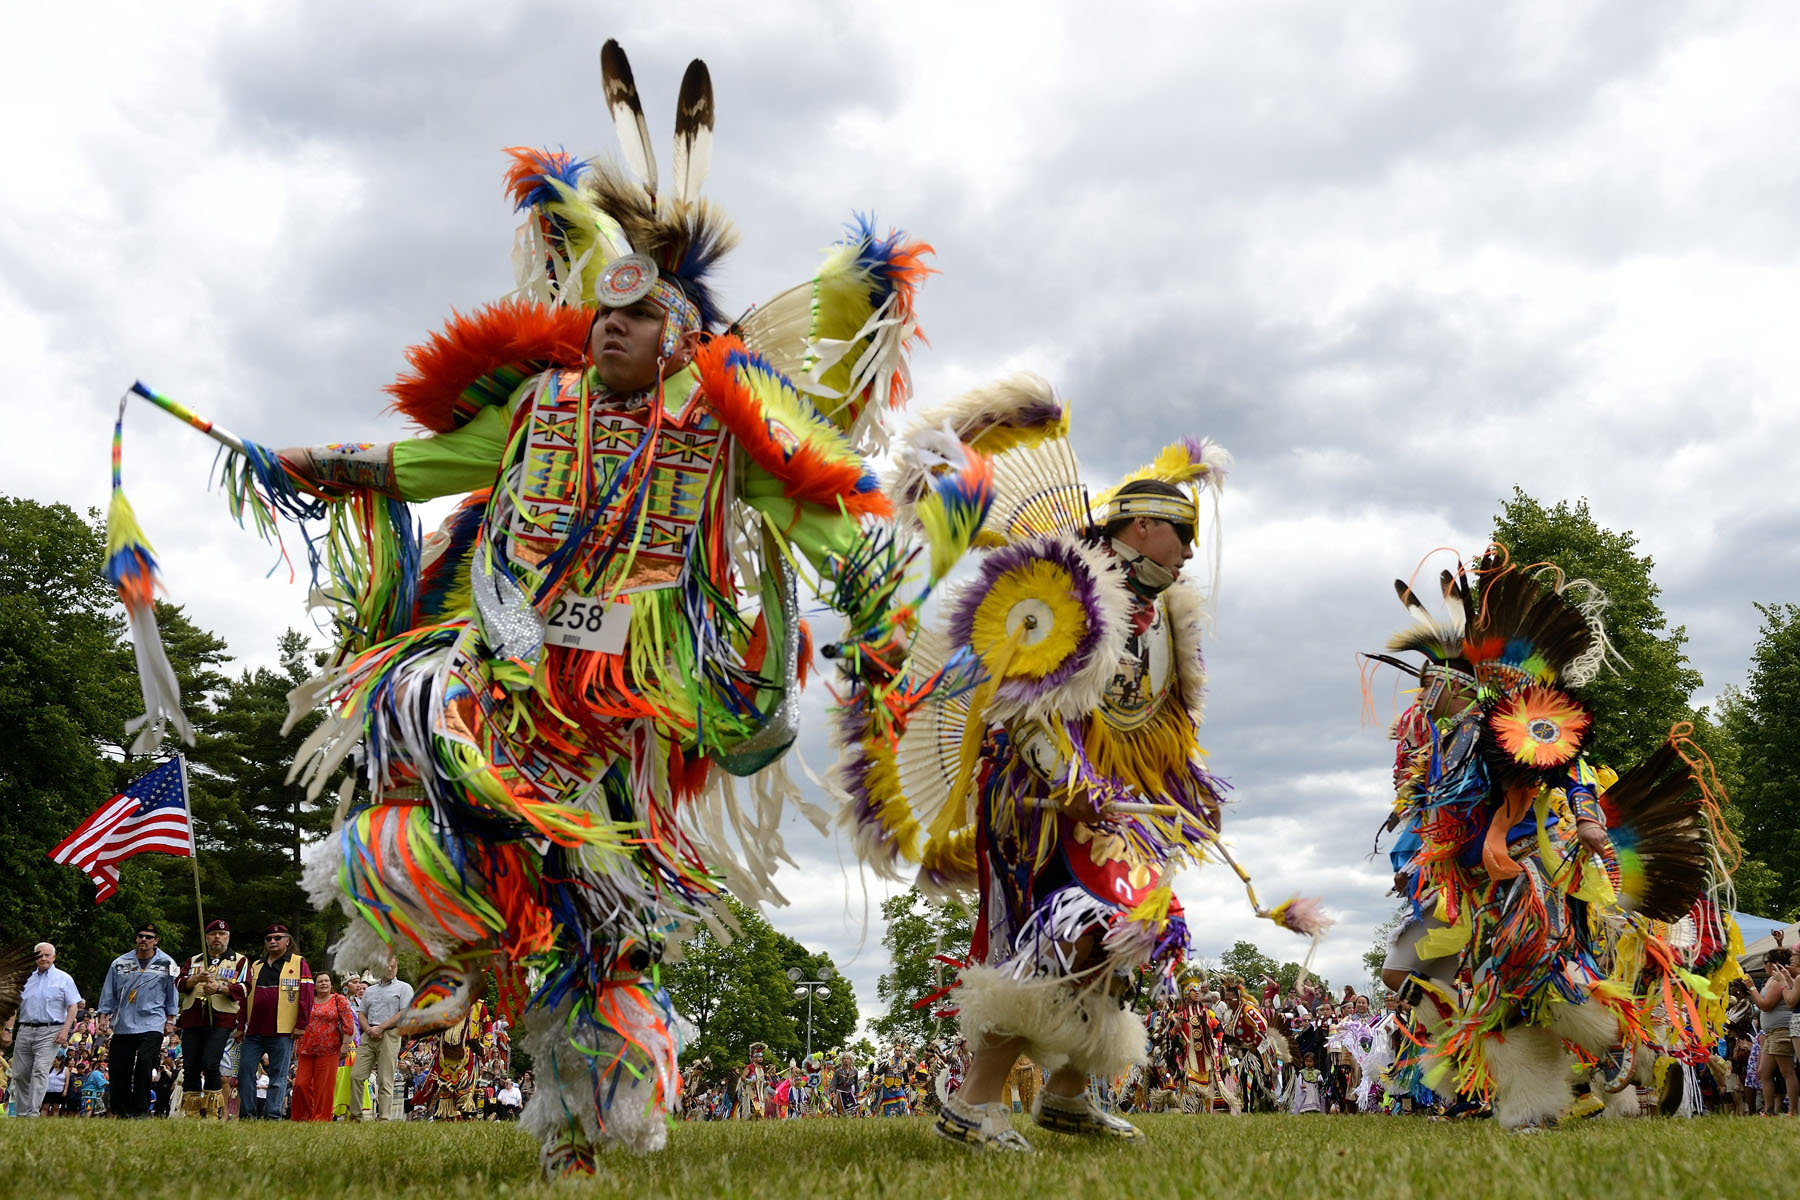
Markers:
point(1592, 835)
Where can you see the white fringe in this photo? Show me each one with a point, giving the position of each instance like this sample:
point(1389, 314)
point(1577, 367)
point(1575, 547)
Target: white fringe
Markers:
point(1188, 619)
point(1061, 1027)
point(566, 1094)
point(360, 949)
point(1531, 1075)
point(1591, 1025)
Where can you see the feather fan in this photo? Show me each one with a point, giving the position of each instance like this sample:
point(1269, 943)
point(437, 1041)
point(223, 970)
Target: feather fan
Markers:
point(1658, 836)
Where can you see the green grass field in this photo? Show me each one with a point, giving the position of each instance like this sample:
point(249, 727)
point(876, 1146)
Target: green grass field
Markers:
point(1309, 1157)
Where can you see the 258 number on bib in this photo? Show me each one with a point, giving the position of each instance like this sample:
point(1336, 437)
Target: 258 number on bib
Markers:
point(588, 623)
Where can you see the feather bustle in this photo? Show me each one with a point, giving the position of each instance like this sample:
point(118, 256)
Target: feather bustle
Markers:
point(1655, 825)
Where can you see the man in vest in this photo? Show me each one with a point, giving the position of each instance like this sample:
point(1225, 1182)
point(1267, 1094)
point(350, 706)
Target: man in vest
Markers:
point(277, 1004)
point(212, 1001)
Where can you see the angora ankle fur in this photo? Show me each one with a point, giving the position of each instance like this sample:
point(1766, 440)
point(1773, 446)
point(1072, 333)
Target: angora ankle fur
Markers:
point(1061, 1027)
point(1531, 1075)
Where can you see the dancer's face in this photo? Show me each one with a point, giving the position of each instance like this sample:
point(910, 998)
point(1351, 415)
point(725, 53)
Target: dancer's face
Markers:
point(625, 345)
point(1160, 541)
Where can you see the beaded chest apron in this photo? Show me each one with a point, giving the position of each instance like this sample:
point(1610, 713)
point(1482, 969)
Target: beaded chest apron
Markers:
point(561, 476)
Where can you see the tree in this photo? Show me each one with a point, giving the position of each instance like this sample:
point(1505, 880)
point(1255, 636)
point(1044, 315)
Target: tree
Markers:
point(834, 1017)
point(917, 931)
point(1636, 706)
point(1763, 720)
point(738, 994)
point(1250, 964)
point(1376, 954)
point(67, 686)
point(251, 821)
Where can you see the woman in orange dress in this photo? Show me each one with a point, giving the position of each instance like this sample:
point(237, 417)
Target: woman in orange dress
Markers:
point(329, 1035)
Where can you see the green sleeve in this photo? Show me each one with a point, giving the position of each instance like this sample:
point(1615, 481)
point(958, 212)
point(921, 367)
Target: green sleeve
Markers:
point(820, 534)
point(462, 460)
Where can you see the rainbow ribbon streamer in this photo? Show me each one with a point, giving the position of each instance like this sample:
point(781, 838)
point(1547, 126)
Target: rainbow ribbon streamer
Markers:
point(131, 566)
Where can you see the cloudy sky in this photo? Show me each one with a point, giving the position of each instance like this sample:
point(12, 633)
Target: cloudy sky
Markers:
point(1397, 257)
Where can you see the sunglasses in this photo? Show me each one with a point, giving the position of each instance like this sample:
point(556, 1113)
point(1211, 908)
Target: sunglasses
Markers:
point(146, 937)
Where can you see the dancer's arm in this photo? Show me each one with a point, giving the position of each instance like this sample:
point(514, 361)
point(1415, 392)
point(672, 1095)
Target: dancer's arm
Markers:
point(443, 464)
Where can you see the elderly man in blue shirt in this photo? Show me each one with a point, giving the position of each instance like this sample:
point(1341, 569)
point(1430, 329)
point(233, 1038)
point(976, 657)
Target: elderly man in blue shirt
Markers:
point(138, 1005)
point(46, 1013)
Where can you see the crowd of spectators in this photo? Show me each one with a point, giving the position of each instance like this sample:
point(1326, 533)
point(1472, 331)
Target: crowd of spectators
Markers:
point(1309, 1053)
point(123, 1055)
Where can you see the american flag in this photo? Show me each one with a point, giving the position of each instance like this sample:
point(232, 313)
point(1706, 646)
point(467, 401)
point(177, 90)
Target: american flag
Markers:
point(150, 815)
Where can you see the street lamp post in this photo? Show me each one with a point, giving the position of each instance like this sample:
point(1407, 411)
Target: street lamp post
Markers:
point(809, 988)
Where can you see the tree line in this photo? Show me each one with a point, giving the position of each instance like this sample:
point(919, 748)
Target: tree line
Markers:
point(68, 685)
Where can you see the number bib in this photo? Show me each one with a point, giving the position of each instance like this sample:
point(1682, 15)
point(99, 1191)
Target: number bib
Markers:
point(588, 623)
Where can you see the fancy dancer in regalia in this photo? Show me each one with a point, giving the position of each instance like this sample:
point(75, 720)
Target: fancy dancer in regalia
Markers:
point(1588, 906)
point(545, 708)
point(1056, 772)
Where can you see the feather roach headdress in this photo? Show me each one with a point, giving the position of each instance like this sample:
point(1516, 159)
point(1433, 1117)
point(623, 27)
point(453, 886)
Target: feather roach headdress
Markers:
point(1511, 628)
point(1191, 463)
point(595, 235)
point(1518, 639)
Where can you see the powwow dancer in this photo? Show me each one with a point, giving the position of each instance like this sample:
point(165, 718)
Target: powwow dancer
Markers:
point(1501, 817)
point(1194, 1052)
point(754, 1085)
point(546, 706)
point(1057, 770)
point(1245, 1030)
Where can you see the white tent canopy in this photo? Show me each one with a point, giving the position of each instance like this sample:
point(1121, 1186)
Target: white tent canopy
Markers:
point(1753, 953)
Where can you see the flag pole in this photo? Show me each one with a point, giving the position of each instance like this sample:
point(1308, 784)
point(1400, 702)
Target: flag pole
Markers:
point(187, 798)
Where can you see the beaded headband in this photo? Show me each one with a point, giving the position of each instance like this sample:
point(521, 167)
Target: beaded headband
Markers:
point(1179, 510)
point(634, 277)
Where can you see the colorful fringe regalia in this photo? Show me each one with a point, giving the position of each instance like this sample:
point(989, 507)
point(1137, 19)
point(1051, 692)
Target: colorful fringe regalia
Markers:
point(454, 1080)
point(1055, 769)
point(1561, 949)
point(544, 751)
point(1192, 1055)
